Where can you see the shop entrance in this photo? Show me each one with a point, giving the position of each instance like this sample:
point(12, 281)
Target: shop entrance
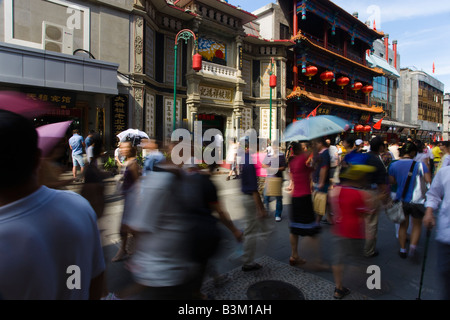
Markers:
point(213, 121)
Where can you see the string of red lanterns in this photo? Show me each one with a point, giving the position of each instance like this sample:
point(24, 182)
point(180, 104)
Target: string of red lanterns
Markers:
point(311, 71)
point(327, 76)
point(342, 82)
point(361, 128)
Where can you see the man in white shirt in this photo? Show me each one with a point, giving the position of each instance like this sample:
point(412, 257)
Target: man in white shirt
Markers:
point(438, 202)
point(394, 149)
point(49, 240)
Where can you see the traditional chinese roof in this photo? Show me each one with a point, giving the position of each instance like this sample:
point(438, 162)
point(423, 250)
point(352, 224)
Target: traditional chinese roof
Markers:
point(300, 93)
point(260, 40)
point(223, 6)
point(171, 9)
point(335, 15)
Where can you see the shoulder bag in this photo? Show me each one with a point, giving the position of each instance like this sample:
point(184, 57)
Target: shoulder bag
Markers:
point(394, 210)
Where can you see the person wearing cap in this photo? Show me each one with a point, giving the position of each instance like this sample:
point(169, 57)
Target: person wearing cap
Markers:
point(359, 145)
point(350, 204)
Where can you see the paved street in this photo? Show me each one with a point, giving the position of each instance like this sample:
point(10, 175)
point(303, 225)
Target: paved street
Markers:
point(400, 279)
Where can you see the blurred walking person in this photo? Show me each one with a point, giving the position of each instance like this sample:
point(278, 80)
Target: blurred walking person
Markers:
point(76, 143)
point(94, 187)
point(423, 155)
point(257, 226)
point(398, 174)
point(350, 204)
point(438, 203)
point(153, 156)
point(49, 240)
point(321, 179)
point(377, 184)
point(275, 165)
point(302, 220)
point(130, 177)
point(232, 159)
point(445, 160)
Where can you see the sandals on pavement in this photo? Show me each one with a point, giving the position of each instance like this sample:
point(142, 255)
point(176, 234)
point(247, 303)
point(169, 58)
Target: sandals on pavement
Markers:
point(340, 293)
point(296, 261)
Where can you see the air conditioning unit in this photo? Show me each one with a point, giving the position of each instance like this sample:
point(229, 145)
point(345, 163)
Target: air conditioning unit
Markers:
point(57, 38)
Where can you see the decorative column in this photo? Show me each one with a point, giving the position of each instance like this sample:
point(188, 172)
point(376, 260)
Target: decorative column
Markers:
point(295, 26)
point(138, 62)
point(238, 104)
point(386, 46)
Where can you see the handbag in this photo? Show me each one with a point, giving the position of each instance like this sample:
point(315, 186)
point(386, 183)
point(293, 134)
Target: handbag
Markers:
point(273, 186)
point(394, 210)
point(319, 202)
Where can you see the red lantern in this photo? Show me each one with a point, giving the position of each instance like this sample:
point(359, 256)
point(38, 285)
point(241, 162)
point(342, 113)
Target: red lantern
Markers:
point(327, 76)
point(367, 128)
point(311, 71)
point(342, 82)
point(197, 62)
point(357, 86)
point(359, 128)
point(367, 89)
point(273, 81)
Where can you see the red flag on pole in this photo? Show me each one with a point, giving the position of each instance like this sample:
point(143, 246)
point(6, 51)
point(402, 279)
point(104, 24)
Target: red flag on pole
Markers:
point(433, 67)
point(314, 112)
point(378, 124)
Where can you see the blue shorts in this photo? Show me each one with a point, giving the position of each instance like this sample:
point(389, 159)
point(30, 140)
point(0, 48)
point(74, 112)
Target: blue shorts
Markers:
point(78, 160)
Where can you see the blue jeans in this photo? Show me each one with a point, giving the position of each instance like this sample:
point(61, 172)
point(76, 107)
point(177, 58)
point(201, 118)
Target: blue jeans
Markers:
point(279, 206)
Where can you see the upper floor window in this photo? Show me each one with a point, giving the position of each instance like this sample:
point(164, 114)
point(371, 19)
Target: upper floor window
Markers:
point(54, 25)
point(284, 32)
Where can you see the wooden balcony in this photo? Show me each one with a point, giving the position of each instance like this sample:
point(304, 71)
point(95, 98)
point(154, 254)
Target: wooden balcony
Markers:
point(329, 46)
point(344, 94)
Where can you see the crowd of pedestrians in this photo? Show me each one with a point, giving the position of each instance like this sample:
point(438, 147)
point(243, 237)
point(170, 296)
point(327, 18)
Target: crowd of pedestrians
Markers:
point(169, 225)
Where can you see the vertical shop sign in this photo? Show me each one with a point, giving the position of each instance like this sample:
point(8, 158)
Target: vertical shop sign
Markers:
point(119, 115)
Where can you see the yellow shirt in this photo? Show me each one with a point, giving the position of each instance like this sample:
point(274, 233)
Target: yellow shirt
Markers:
point(437, 154)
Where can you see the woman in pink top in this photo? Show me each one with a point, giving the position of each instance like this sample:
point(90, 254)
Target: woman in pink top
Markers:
point(261, 173)
point(302, 216)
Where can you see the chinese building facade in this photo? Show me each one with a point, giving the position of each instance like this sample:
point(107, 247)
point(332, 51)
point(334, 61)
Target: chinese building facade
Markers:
point(330, 71)
point(231, 92)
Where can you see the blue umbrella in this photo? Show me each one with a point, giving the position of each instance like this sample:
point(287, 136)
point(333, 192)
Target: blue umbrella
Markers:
point(315, 127)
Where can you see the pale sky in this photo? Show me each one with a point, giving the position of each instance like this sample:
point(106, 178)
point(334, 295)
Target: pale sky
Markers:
point(422, 29)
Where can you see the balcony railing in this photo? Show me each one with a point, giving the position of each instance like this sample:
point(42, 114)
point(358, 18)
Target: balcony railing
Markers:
point(320, 42)
point(218, 70)
point(332, 92)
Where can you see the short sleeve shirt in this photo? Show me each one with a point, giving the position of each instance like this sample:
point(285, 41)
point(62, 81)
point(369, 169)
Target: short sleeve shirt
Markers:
point(321, 160)
point(269, 160)
point(76, 142)
point(399, 170)
point(349, 206)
